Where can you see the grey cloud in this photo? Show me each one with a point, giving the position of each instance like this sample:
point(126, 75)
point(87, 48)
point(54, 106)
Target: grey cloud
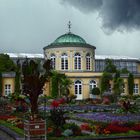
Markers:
point(85, 5)
point(115, 14)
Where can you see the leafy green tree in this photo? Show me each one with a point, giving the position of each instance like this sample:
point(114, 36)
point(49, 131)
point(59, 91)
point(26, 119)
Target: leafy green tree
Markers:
point(109, 66)
point(18, 77)
point(105, 79)
point(108, 72)
point(55, 79)
point(60, 84)
point(130, 84)
point(118, 84)
point(124, 71)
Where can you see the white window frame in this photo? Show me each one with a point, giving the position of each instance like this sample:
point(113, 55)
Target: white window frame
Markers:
point(64, 61)
point(53, 58)
point(78, 87)
point(77, 61)
point(92, 85)
point(88, 61)
point(7, 89)
point(136, 89)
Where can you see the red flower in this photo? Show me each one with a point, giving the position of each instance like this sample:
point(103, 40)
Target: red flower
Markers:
point(55, 104)
point(6, 117)
point(117, 129)
point(136, 127)
point(85, 127)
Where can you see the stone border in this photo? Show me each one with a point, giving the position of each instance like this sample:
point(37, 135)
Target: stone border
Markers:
point(10, 133)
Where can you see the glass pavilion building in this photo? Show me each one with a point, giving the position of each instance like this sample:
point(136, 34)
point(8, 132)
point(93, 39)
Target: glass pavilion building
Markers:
point(72, 55)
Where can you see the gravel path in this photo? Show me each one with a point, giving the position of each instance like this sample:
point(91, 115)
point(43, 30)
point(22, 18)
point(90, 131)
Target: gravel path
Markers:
point(5, 136)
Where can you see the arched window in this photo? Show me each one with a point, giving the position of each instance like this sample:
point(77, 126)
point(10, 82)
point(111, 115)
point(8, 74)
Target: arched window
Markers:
point(77, 61)
point(53, 60)
point(78, 87)
point(92, 85)
point(64, 61)
point(88, 58)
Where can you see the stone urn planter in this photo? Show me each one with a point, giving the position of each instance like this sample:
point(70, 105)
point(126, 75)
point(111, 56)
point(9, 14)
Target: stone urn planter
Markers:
point(35, 129)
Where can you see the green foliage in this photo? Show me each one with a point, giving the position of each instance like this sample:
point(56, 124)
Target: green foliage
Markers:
point(106, 77)
point(67, 132)
point(0, 84)
point(6, 64)
point(130, 83)
point(15, 129)
point(18, 77)
point(57, 117)
point(60, 84)
point(96, 91)
point(110, 67)
point(74, 127)
point(118, 84)
point(124, 71)
point(54, 89)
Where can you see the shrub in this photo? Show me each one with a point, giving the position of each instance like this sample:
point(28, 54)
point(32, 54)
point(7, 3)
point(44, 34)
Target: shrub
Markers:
point(96, 91)
point(67, 132)
point(75, 128)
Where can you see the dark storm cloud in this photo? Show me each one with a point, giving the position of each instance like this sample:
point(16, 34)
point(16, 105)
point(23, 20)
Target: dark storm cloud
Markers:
point(115, 14)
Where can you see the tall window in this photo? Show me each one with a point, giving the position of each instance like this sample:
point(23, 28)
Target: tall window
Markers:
point(88, 61)
point(136, 89)
point(92, 85)
point(53, 60)
point(7, 88)
point(78, 87)
point(77, 61)
point(64, 61)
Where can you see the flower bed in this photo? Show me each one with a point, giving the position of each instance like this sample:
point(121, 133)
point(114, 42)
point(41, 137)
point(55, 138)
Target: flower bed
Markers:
point(5, 118)
point(108, 117)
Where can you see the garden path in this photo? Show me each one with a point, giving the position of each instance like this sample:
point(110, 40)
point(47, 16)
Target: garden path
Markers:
point(5, 136)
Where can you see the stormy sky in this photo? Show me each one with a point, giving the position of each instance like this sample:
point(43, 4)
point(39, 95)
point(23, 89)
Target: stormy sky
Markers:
point(113, 26)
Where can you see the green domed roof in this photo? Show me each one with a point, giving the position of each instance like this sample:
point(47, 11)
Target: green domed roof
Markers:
point(69, 38)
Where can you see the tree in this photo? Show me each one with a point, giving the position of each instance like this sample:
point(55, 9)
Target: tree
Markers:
point(108, 72)
point(33, 81)
point(6, 64)
point(124, 71)
point(18, 77)
point(130, 84)
point(118, 84)
point(60, 84)
point(96, 91)
point(105, 79)
point(109, 66)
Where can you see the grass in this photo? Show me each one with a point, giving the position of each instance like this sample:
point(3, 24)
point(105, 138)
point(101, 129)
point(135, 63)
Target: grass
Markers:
point(96, 136)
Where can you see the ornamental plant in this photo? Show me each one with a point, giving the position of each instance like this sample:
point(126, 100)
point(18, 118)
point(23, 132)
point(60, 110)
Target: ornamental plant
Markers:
point(86, 127)
point(33, 81)
point(57, 114)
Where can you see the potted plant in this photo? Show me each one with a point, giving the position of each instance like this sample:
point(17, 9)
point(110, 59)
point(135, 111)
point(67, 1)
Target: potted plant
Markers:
point(33, 82)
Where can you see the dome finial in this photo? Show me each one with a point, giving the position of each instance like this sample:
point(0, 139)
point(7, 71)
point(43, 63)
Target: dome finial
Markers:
point(69, 26)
